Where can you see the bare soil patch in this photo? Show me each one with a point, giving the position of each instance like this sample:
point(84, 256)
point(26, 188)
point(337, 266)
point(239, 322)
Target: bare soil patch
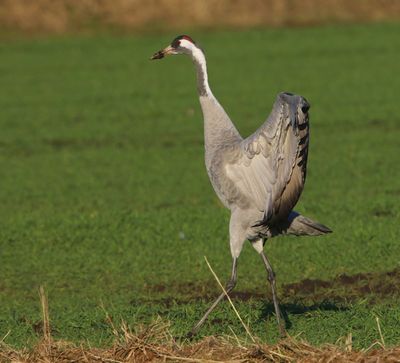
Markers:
point(343, 288)
point(348, 287)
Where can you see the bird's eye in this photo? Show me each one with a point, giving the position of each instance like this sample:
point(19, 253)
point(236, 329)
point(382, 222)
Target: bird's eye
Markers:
point(176, 43)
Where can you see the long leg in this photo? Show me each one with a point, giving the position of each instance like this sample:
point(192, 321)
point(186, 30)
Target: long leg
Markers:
point(229, 287)
point(271, 279)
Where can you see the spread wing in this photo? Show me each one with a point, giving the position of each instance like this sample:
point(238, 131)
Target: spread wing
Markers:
point(266, 159)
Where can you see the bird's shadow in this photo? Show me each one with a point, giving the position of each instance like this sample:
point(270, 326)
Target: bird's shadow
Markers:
point(287, 309)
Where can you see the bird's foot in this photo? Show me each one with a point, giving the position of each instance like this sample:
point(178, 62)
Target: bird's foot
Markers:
point(282, 331)
point(190, 335)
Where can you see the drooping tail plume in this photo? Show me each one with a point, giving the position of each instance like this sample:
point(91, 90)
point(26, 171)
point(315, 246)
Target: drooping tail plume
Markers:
point(300, 225)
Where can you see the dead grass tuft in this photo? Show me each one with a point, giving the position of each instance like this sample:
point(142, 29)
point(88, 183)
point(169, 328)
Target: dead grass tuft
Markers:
point(154, 343)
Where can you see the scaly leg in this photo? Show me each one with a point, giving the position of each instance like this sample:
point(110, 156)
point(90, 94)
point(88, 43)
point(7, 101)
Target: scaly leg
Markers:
point(271, 279)
point(229, 287)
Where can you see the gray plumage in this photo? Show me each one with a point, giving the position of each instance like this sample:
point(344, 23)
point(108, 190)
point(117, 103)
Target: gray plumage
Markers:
point(259, 178)
point(264, 174)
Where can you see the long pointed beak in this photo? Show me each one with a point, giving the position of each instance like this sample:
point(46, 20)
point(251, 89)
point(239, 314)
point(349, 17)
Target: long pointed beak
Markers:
point(162, 53)
point(157, 55)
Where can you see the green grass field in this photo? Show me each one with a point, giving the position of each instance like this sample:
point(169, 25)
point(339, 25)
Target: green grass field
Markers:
point(105, 199)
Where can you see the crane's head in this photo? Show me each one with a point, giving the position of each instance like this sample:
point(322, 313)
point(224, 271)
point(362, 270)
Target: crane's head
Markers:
point(183, 44)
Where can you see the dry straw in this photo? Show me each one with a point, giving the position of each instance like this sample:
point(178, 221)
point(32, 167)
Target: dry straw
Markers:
point(154, 343)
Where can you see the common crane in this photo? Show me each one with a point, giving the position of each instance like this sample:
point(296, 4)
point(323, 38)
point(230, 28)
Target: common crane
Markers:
point(259, 178)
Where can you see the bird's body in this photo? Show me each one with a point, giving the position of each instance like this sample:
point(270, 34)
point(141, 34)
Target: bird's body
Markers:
point(259, 178)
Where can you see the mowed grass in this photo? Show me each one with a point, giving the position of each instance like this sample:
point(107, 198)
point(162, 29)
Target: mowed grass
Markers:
point(105, 199)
